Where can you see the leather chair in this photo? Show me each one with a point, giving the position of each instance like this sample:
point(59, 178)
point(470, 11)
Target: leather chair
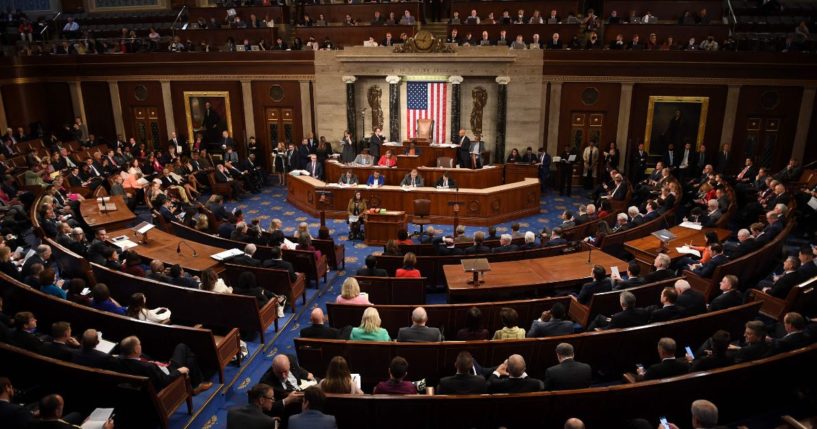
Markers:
point(425, 130)
point(445, 161)
point(422, 208)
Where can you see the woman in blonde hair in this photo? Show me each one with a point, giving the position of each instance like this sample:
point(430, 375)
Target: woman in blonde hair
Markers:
point(369, 329)
point(339, 378)
point(350, 293)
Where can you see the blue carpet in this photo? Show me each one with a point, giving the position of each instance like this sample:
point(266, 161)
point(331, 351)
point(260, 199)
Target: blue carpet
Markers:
point(210, 408)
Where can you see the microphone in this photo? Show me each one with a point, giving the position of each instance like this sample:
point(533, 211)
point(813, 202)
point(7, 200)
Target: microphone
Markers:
point(590, 252)
point(179, 248)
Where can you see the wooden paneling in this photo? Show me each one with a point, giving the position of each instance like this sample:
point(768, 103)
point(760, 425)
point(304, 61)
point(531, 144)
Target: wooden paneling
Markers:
point(96, 96)
point(133, 94)
point(263, 98)
point(780, 103)
point(48, 103)
point(578, 97)
point(714, 120)
point(177, 90)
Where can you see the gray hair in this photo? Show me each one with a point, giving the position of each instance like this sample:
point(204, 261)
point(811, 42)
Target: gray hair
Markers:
point(249, 249)
point(530, 237)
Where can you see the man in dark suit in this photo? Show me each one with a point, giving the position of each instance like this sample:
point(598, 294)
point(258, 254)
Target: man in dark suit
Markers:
point(670, 157)
point(730, 295)
point(24, 334)
point(247, 257)
point(179, 278)
point(669, 310)
point(62, 346)
point(712, 215)
point(302, 155)
point(600, 283)
point(261, 402)
point(464, 382)
point(669, 365)
point(318, 329)
point(464, 145)
point(510, 377)
point(691, 301)
point(275, 261)
point(724, 158)
point(795, 325)
point(639, 163)
point(375, 142)
point(505, 245)
point(447, 248)
point(746, 244)
point(754, 345)
point(707, 269)
point(652, 211)
point(13, 416)
point(633, 277)
point(781, 284)
point(183, 361)
point(314, 168)
point(226, 142)
point(662, 271)
point(568, 374)
point(180, 144)
point(371, 268)
point(555, 42)
point(551, 323)
point(629, 315)
point(311, 415)
point(808, 262)
point(285, 376)
point(478, 248)
point(418, 331)
point(88, 355)
point(556, 238)
point(445, 182)
point(222, 175)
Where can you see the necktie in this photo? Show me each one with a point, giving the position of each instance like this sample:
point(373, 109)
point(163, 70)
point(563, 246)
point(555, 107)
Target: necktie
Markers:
point(313, 169)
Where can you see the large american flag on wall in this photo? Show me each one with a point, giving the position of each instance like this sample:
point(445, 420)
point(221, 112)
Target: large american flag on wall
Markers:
point(426, 100)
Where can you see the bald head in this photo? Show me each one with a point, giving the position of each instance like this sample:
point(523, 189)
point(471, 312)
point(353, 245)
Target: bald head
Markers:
point(681, 286)
point(419, 316)
point(516, 365)
point(280, 366)
point(574, 423)
point(316, 317)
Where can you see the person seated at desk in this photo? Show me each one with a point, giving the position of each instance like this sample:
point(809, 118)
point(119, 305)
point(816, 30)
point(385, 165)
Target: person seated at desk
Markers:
point(529, 157)
point(375, 179)
point(369, 329)
point(408, 270)
point(364, 158)
point(412, 179)
point(355, 209)
point(350, 293)
point(412, 150)
point(445, 182)
point(514, 157)
point(387, 160)
point(348, 178)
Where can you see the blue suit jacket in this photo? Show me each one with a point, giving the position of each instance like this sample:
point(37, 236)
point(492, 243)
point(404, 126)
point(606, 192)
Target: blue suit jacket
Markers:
point(311, 419)
point(380, 181)
point(709, 268)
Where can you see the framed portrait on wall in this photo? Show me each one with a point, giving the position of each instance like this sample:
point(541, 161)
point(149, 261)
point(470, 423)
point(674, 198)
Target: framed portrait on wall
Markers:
point(675, 120)
point(208, 113)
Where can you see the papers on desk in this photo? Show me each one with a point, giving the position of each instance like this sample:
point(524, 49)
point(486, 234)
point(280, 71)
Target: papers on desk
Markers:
point(103, 199)
point(227, 254)
point(686, 250)
point(29, 254)
point(98, 418)
point(444, 145)
point(408, 188)
point(123, 243)
point(356, 377)
point(812, 203)
point(299, 173)
point(104, 345)
point(393, 144)
point(307, 383)
point(288, 244)
point(691, 225)
point(353, 218)
point(571, 158)
point(556, 159)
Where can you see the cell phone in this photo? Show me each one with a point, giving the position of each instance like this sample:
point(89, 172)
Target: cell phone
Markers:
point(664, 423)
point(689, 352)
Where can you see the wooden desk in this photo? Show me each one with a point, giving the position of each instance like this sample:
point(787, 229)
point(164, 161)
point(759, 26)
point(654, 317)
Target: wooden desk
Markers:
point(482, 207)
point(112, 219)
point(518, 172)
point(646, 248)
point(542, 276)
point(465, 177)
point(382, 227)
point(162, 246)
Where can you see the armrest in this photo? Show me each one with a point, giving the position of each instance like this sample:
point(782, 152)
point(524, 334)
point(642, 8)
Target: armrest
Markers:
point(701, 284)
point(578, 312)
point(771, 306)
point(629, 378)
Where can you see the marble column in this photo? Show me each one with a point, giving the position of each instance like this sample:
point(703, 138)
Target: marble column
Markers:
point(394, 107)
point(625, 102)
point(728, 128)
point(455, 82)
point(305, 88)
point(116, 106)
point(553, 116)
point(803, 123)
point(501, 116)
point(249, 119)
point(351, 111)
point(78, 104)
point(170, 118)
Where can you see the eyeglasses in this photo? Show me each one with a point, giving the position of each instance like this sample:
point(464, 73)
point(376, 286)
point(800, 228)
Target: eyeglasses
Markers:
point(271, 398)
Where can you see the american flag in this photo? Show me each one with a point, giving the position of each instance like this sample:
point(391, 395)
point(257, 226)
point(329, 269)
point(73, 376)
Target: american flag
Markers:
point(426, 100)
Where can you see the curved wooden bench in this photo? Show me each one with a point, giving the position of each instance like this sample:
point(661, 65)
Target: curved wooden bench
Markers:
point(275, 281)
point(800, 297)
point(448, 317)
point(614, 243)
point(607, 303)
point(610, 352)
point(137, 403)
point(394, 290)
point(735, 389)
point(214, 352)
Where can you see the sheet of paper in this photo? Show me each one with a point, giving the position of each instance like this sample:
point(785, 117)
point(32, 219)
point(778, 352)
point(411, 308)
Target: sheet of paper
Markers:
point(220, 256)
point(104, 345)
point(691, 225)
point(688, 251)
point(97, 418)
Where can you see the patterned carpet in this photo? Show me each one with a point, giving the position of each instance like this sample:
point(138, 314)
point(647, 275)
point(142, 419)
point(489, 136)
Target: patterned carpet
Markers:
point(210, 408)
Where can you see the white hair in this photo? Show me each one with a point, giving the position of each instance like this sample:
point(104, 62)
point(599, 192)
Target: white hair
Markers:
point(744, 233)
point(682, 286)
point(530, 237)
point(621, 216)
point(633, 211)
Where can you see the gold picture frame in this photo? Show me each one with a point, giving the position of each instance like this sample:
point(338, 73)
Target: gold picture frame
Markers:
point(675, 120)
point(194, 111)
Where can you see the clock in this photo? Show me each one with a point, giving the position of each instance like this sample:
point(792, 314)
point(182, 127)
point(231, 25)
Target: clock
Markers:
point(424, 40)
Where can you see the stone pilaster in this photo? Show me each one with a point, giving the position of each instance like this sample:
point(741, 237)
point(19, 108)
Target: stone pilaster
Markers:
point(501, 116)
point(455, 82)
point(394, 107)
point(351, 111)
